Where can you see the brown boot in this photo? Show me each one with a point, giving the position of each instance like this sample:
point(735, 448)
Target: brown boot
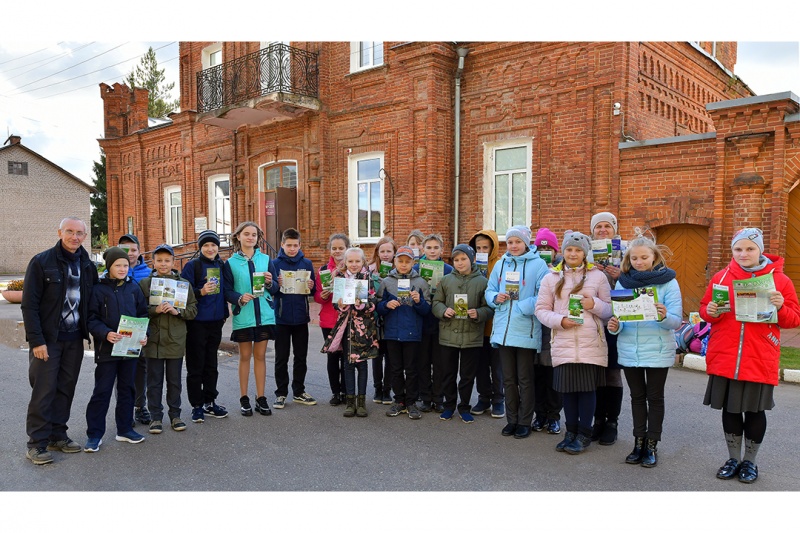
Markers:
point(361, 405)
point(350, 408)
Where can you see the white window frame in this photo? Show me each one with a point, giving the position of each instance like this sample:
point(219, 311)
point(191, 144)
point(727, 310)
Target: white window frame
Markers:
point(208, 51)
point(352, 197)
point(212, 204)
point(355, 56)
point(168, 207)
point(489, 150)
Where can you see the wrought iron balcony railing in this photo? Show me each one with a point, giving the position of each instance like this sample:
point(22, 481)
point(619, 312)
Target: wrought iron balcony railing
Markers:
point(279, 68)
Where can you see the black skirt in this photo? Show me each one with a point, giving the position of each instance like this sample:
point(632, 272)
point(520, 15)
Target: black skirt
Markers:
point(254, 334)
point(578, 377)
point(738, 396)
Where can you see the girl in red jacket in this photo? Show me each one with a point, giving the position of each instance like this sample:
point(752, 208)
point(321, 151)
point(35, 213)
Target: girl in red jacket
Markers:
point(742, 357)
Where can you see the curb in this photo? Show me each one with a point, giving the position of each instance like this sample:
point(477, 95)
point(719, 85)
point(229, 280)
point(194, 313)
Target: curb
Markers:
point(693, 361)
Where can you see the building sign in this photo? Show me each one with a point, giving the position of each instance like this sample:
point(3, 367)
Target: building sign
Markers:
point(270, 207)
point(200, 224)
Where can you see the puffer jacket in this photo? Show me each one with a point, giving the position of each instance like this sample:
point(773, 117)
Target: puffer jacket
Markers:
point(292, 309)
point(458, 332)
point(403, 324)
point(139, 271)
point(327, 314)
point(112, 298)
point(651, 343)
point(237, 275)
point(587, 343)
point(166, 334)
point(748, 351)
point(514, 320)
point(494, 255)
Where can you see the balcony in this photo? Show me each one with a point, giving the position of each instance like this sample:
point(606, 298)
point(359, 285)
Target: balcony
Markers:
point(276, 83)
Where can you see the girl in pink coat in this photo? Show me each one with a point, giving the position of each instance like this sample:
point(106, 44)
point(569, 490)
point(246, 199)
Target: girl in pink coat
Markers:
point(578, 344)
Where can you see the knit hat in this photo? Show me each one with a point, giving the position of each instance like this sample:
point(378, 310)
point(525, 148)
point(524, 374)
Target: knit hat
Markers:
point(545, 237)
point(111, 255)
point(164, 248)
point(604, 216)
point(406, 251)
point(129, 237)
point(206, 236)
point(576, 238)
point(754, 234)
point(521, 232)
point(464, 249)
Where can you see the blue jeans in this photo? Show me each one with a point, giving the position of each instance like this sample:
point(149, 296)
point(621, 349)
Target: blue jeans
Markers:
point(123, 371)
point(350, 377)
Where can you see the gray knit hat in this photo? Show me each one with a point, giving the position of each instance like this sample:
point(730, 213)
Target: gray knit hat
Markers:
point(576, 238)
point(753, 234)
point(521, 232)
point(604, 216)
point(464, 249)
point(208, 235)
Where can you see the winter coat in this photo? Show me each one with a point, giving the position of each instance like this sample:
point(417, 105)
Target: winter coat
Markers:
point(112, 298)
point(403, 324)
point(584, 344)
point(166, 333)
point(292, 309)
point(327, 314)
point(748, 351)
point(494, 255)
point(430, 324)
point(651, 343)
point(356, 325)
point(140, 271)
point(211, 307)
point(44, 290)
point(237, 275)
point(514, 320)
point(459, 332)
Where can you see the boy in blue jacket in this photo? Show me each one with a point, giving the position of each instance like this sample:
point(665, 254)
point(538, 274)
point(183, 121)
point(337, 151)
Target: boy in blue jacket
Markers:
point(115, 295)
point(204, 333)
point(403, 301)
point(291, 322)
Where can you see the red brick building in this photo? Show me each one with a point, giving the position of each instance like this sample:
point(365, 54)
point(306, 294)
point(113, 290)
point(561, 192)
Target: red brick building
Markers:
point(360, 137)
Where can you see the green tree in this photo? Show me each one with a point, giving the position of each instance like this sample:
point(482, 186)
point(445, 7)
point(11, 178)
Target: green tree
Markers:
point(148, 76)
point(99, 201)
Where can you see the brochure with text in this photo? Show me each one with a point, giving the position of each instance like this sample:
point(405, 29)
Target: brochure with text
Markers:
point(172, 291)
point(635, 305)
point(133, 331)
point(259, 283)
point(350, 290)
point(212, 274)
point(751, 297)
point(512, 285)
point(461, 305)
point(482, 260)
point(404, 291)
point(295, 281)
point(721, 297)
point(326, 279)
point(575, 308)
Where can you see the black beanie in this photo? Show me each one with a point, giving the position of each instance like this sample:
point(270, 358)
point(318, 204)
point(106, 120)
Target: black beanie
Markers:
point(208, 235)
point(111, 255)
point(465, 249)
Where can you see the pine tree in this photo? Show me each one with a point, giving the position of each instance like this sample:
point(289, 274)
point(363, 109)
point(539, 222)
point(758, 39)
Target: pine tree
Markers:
point(99, 201)
point(148, 76)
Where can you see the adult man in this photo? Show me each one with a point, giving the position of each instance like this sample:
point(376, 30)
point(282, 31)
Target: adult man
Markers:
point(55, 301)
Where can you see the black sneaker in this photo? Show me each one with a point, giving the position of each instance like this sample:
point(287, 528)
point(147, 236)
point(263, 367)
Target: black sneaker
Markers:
point(217, 411)
point(396, 409)
point(246, 409)
point(425, 407)
point(335, 400)
point(539, 424)
point(142, 415)
point(262, 406)
point(413, 412)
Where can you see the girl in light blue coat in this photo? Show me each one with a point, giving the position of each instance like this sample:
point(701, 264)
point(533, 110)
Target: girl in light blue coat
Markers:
point(647, 349)
point(512, 292)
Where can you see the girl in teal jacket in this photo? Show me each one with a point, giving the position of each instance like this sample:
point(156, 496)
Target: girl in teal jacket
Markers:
point(253, 317)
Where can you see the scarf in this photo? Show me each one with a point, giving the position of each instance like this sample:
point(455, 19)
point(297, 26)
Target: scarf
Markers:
point(635, 279)
point(763, 261)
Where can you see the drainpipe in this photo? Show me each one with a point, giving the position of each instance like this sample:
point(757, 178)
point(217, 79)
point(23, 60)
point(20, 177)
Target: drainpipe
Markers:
point(462, 53)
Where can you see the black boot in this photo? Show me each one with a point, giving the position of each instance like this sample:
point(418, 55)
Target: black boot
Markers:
point(635, 457)
point(579, 445)
point(599, 412)
point(609, 434)
point(649, 458)
point(613, 406)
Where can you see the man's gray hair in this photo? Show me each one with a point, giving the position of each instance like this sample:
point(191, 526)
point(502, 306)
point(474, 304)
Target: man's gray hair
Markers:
point(64, 221)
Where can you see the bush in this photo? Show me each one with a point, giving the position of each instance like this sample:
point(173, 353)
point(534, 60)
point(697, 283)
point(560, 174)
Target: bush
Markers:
point(15, 285)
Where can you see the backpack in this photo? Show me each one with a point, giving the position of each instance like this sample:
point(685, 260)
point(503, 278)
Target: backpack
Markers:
point(683, 337)
point(700, 332)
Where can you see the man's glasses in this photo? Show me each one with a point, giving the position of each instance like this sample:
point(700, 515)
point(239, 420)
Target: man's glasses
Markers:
point(78, 234)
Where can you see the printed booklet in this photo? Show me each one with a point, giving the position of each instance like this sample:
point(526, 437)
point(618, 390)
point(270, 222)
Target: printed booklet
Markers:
point(431, 271)
point(133, 331)
point(721, 297)
point(404, 291)
point(385, 268)
point(326, 279)
point(576, 308)
point(482, 260)
point(460, 305)
point(212, 274)
point(512, 284)
point(259, 283)
point(635, 305)
point(751, 297)
point(349, 290)
point(170, 291)
point(295, 281)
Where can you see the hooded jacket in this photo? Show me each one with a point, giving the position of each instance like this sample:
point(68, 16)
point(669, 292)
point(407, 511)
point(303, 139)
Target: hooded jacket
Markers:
point(403, 324)
point(651, 343)
point(112, 298)
point(748, 351)
point(494, 255)
point(459, 332)
point(292, 309)
point(166, 334)
point(587, 343)
point(140, 271)
point(430, 324)
point(237, 275)
point(514, 320)
point(211, 307)
point(327, 314)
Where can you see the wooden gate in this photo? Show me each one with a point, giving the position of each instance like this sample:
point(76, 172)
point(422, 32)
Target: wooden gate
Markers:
point(689, 259)
point(792, 264)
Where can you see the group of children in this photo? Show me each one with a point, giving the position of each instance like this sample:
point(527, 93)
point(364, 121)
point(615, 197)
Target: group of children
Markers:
point(506, 321)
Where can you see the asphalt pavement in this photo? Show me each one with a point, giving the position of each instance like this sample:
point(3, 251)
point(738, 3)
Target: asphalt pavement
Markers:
point(314, 449)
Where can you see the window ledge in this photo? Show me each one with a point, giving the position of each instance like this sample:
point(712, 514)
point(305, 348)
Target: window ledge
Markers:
point(384, 66)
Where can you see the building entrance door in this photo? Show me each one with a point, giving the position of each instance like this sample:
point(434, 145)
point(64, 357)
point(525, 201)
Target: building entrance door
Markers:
point(689, 260)
point(792, 265)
